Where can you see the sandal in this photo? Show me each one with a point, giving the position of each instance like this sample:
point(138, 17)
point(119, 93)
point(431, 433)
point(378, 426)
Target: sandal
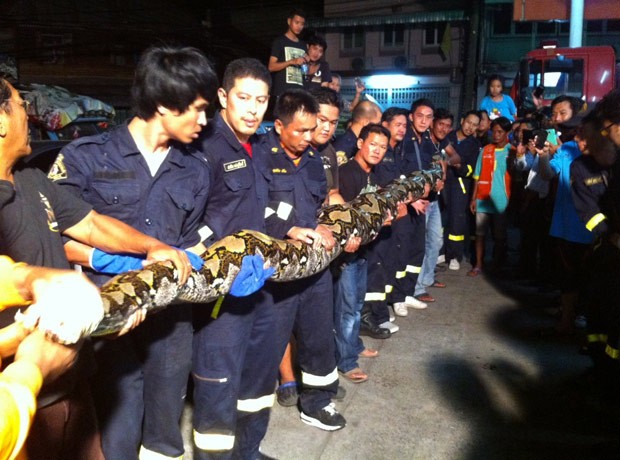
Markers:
point(355, 375)
point(438, 284)
point(474, 272)
point(425, 297)
point(369, 353)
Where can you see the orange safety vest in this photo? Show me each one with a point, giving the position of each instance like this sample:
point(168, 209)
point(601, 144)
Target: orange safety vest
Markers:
point(485, 181)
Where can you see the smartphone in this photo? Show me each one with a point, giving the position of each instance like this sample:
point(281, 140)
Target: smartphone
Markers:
point(541, 138)
point(538, 91)
point(552, 136)
point(358, 81)
point(526, 136)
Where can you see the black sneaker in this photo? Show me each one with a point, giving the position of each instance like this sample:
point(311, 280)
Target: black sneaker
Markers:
point(287, 394)
point(327, 419)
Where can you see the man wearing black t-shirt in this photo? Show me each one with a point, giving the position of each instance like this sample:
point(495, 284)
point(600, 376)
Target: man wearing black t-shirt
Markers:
point(288, 55)
point(350, 287)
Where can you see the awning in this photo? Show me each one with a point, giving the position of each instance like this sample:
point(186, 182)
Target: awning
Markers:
point(410, 18)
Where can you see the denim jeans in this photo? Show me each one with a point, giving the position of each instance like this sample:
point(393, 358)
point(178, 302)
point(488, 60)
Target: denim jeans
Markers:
point(433, 242)
point(349, 293)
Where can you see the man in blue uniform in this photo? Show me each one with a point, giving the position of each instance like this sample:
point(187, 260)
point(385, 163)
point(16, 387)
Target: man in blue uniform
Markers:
point(297, 189)
point(144, 175)
point(235, 359)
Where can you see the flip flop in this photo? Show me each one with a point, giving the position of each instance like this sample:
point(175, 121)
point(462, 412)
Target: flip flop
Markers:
point(355, 375)
point(474, 272)
point(438, 284)
point(369, 353)
point(425, 297)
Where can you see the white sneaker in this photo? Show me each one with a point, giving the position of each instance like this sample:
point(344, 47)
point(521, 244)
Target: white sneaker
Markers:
point(441, 259)
point(454, 265)
point(412, 302)
point(392, 317)
point(400, 309)
point(390, 326)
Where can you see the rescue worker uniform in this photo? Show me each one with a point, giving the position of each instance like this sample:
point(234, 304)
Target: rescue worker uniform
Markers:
point(235, 361)
point(457, 194)
point(596, 194)
point(142, 376)
point(381, 261)
point(410, 231)
point(345, 146)
point(305, 306)
point(428, 151)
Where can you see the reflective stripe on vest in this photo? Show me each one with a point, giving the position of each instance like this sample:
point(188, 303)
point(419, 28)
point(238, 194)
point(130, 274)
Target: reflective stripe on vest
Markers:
point(374, 296)
point(147, 454)
point(612, 352)
point(319, 380)
point(413, 269)
point(388, 288)
point(400, 275)
point(462, 185)
point(257, 404)
point(594, 338)
point(214, 441)
point(456, 237)
point(595, 220)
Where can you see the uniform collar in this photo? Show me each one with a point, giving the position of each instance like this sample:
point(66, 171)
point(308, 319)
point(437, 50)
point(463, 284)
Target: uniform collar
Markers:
point(127, 147)
point(275, 148)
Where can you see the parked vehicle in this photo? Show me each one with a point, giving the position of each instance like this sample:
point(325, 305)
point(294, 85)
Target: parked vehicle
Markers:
point(587, 72)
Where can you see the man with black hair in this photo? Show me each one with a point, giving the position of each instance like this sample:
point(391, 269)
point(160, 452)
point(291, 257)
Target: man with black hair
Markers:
point(459, 187)
point(296, 191)
point(145, 174)
point(318, 73)
point(234, 357)
point(288, 55)
point(351, 268)
point(35, 214)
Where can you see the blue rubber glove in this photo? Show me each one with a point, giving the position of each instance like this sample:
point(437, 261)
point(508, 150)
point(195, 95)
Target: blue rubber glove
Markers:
point(113, 264)
point(251, 277)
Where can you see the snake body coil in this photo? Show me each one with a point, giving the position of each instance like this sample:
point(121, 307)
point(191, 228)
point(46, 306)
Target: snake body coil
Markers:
point(155, 287)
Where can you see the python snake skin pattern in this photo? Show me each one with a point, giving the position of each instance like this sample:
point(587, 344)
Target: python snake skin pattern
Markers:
point(155, 287)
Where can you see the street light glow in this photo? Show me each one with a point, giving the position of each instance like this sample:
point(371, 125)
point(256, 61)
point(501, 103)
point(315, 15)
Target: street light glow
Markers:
point(391, 81)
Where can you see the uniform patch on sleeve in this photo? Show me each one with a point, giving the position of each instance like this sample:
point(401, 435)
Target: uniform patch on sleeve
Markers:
point(58, 170)
point(341, 157)
point(233, 165)
point(204, 232)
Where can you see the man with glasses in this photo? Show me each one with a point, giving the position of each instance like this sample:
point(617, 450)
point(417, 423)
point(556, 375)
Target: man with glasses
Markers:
point(34, 216)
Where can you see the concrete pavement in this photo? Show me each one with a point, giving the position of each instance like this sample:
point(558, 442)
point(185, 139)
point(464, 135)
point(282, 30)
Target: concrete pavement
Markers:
point(468, 378)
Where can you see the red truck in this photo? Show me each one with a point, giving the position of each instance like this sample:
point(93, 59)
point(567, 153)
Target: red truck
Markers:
point(587, 72)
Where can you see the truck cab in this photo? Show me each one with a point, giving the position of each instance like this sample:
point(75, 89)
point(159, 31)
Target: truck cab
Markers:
point(587, 72)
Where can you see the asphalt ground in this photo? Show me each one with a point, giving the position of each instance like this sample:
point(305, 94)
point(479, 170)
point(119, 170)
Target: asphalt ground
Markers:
point(470, 377)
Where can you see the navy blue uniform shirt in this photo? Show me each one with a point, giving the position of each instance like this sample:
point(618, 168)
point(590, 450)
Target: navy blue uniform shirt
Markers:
point(296, 193)
point(109, 172)
point(347, 143)
point(237, 195)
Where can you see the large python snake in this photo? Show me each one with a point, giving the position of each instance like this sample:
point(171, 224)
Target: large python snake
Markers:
point(155, 287)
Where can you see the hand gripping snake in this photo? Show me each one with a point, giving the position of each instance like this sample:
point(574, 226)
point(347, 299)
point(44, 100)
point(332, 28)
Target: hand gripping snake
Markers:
point(155, 287)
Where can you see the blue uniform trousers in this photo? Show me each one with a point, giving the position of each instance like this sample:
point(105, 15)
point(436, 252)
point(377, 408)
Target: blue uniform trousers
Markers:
point(140, 385)
point(235, 365)
point(305, 308)
point(408, 249)
point(459, 222)
point(380, 279)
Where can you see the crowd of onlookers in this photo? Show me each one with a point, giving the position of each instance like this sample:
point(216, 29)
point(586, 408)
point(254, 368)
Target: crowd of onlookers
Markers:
point(166, 185)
